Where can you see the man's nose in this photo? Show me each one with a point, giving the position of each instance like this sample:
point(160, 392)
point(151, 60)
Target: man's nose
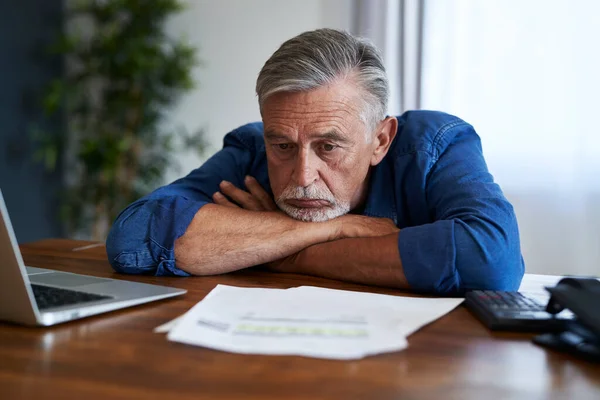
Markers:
point(305, 169)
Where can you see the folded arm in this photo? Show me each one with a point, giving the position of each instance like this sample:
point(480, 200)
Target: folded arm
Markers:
point(471, 243)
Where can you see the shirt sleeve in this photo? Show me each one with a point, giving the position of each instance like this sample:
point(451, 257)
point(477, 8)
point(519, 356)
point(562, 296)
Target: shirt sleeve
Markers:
point(473, 242)
point(142, 238)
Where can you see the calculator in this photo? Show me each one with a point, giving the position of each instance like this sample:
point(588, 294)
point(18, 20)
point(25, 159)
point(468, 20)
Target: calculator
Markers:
point(514, 311)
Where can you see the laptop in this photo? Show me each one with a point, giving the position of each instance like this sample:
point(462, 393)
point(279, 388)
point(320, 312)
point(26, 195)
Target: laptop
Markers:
point(43, 297)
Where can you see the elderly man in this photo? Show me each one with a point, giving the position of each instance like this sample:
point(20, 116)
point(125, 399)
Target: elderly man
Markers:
point(328, 185)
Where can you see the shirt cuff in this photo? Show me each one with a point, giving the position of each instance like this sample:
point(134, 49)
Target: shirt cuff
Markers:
point(169, 222)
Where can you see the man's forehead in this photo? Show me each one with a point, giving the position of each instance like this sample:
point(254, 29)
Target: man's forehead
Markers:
point(332, 135)
point(330, 112)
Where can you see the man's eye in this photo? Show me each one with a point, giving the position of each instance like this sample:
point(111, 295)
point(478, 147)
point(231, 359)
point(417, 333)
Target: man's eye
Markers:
point(329, 147)
point(283, 146)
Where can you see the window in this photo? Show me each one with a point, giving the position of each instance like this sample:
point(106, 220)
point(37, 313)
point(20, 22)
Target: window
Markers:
point(525, 74)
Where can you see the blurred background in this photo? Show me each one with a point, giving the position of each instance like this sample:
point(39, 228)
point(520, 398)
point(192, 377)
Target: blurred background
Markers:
point(102, 101)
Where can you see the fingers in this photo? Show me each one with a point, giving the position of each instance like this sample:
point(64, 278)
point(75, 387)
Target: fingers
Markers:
point(259, 193)
point(244, 199)
point(257, 199)
point(218, 198)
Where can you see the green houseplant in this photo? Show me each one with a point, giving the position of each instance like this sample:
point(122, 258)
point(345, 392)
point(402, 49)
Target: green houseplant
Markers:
point(123, 75)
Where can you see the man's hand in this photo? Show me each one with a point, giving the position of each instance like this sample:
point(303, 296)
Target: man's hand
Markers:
point(255, 200)
point(355, 226)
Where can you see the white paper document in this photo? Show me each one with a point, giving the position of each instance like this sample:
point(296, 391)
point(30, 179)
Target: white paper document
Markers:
point(308, 321)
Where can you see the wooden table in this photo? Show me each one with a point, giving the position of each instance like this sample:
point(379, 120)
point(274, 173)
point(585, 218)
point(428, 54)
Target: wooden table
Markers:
point(118, 356)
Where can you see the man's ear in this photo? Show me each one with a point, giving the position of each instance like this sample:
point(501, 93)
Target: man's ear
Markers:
point(386, 132)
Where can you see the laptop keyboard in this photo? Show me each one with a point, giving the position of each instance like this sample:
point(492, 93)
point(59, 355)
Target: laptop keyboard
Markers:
point(48, 297)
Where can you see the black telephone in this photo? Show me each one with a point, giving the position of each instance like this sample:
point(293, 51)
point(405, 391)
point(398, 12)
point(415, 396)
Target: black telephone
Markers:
point(581, 335)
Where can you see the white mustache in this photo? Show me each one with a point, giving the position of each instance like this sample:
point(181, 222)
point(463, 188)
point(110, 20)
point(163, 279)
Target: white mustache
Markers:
point(310, 192)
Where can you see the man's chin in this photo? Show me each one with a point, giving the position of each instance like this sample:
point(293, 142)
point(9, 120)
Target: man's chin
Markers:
point(309, 217)
point(313, 214)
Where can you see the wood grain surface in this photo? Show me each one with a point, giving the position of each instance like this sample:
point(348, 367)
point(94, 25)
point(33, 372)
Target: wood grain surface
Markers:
point(117, 356)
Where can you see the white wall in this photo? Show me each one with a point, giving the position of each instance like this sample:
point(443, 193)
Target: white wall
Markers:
point(235, 38)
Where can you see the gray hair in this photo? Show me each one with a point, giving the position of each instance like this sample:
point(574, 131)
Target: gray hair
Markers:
point(320, 57)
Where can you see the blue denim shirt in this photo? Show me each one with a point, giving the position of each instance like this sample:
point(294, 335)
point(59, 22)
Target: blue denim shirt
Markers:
point(457, 230)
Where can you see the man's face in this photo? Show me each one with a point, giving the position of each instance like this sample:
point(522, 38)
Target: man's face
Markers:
point(317, 151)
